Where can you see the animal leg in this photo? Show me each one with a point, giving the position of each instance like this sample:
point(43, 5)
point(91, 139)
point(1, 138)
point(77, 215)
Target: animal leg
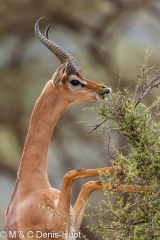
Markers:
point(62, 211)
point(89, 187)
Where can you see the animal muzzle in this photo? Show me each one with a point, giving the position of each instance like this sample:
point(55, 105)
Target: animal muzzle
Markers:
point(102, 95)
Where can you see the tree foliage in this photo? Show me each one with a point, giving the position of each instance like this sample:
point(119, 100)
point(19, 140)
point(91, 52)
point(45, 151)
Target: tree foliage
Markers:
point(132, 215)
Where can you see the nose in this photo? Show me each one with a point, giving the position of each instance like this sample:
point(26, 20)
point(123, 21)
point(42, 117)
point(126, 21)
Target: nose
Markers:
point(106, 90)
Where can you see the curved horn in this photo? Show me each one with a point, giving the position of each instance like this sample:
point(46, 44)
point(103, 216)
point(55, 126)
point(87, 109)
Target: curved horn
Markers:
point(47, 31)
point(72, 65)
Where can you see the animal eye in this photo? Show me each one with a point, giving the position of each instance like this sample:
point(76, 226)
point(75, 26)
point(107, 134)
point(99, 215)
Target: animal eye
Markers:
point(75, 82)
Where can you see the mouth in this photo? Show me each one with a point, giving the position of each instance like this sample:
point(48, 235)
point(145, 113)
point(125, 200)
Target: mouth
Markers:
point(103, 95)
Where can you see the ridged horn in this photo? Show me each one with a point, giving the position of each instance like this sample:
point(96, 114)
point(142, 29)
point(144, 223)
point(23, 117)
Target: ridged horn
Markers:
point(72, 65)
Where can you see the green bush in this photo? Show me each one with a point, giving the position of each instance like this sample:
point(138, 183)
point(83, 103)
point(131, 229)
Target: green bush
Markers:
point(132, 215)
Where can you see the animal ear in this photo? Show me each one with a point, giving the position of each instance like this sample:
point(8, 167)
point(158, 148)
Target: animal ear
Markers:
point(57, 77)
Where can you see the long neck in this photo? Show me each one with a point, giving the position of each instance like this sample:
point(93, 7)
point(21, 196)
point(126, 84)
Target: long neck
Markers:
point(47, 111)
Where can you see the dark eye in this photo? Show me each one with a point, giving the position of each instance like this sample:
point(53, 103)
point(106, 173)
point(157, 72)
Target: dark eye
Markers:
point(75, 82)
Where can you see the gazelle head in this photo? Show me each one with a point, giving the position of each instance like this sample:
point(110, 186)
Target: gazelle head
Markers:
point(68, 77)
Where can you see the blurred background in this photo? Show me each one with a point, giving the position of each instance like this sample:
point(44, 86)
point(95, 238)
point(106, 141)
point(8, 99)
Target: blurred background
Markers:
point(107, 37)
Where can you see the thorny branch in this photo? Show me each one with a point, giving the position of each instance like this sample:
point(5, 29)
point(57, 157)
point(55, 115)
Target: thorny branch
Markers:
point(146, 87)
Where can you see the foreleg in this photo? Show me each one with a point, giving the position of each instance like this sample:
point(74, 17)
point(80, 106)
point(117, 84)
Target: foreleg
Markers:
point(89, 187)
point(62, 211)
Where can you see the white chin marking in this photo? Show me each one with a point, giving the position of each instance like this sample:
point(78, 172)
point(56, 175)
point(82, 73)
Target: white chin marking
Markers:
point(100, 98)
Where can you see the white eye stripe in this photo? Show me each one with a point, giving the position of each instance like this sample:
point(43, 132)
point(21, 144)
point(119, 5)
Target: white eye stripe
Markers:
point(83, 82)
